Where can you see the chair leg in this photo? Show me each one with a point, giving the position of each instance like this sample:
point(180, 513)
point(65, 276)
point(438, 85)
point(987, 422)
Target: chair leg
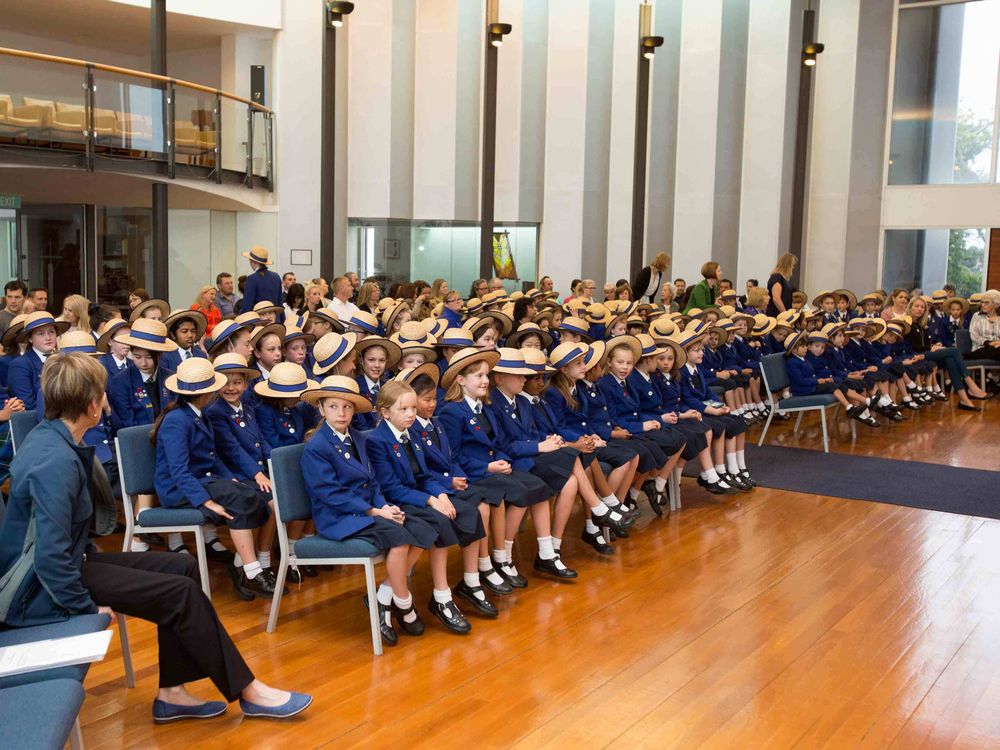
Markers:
point(76, 736)
point(373, 607)
point(826, 440)
point(126, 650)
point(767, 424)
point(798, 421)
point(675, 477)
point(199, 543)
point(279, 587)
point(854, 430)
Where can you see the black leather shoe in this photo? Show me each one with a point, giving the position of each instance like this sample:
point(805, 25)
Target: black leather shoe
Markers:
point(747, 479)
point(450, 616)
point(500, 589)
point(181, 549)
point(968, 407)
point(153, 539)
point(294, 575)
point(515, 580)
point(483, 607)
point(717, 488)
point(262, 584)
point(414, 627)
point(389, 636)
point(733, 480)
point(549, 567)
point(236, 576)
point(939, 396)
point(606, 522)
point(910, 405)
point(309, 571)
point(222, 556)
point(597, 542)
point(652, 496)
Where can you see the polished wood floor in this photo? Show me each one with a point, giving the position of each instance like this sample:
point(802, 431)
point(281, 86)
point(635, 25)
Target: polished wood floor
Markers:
point(772, 619)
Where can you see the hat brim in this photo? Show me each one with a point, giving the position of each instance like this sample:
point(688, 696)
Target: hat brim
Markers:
point(141, 308)
point(724, 335)
point(428, 369)
point(23, 335)
point(9, 337)
point(249, 372)
point(630, 341)
point(267, 262)
point(106, 337)
point(276, 309)
point(680, 356)
point(276, 328)
point(526, 371)
point(336, 324)
point(263, 388)
point(361, 404)
point(458, 364)
point(758, 332)
point(852, 298)
point(150, 346)
point(514, 339)
point(218, 342)
point(219, 383)
point(960, 300)
point(352, 341)
point(195, 316)
point(600, 350)
point(392, 350)
point(427, 351)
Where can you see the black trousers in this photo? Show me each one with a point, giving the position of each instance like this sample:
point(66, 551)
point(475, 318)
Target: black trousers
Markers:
point(162, 587)
point(985, 352)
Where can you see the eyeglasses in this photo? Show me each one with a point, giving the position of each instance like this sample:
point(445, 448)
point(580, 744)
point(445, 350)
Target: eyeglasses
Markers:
point(454, 299)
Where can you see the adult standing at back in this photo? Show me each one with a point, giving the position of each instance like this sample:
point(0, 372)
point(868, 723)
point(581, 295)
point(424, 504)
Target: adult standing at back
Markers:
point(341, 302)
point(647, 284)
point(15, 292)
point(779, 285)
point(704, 293)
point(262, 284)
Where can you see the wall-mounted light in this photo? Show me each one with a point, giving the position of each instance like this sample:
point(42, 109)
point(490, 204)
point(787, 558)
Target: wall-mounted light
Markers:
point(810, 51)
point(648, 46)
point(498, 31)
point(335, 12)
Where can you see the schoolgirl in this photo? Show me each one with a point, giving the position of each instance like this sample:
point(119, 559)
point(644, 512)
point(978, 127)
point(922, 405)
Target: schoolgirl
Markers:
point(154, 309)
point(334, 355)
point(24, 376)
point(449, 343)
point(722, 367)
point(728, 430)
point(114, 352)
point(545, 454)
point(635, 325)
point(869, 379)
point(375, 356)
point(322, 321)
point(826, 303)
point(185, 328)
point(915, 368)
point(11, 349)
point(957, 309)
point(876, 353)
point(529, 336)
point(573, 330)
point(295, 346)
point(747, 353)
point(761, 335)
point(475, 439)
point(362, 323)
point(812, 372)
point(394, 316)
point(485, 331)
point(847, 302)
point(231, 337)
point(348, 503)
point(139, 394)
point(189, 473)
point(415, 344)
point(268, 313)
point(598, 317)
point(284, 419)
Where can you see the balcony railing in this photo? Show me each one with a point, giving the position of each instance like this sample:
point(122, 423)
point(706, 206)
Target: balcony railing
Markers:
point(61, 111)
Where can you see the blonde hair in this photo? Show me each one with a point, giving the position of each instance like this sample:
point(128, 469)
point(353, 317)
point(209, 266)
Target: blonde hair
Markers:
point(786, 265)
point(200, 301)
point(436, 290)
point(79, 304)
point(71, 382)
point(757, 297)
point(922, 320)
point(454, 392)
point(661, 261)
point(365, 293)
point(389, 394)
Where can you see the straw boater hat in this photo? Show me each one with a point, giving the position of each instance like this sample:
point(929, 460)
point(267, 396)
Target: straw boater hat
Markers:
point(818, 299)
point(195, 377)
point(728, 294)
point(543, 315)
point(762, 325)
point(896, 327)
point(223, 332)
point(726, 311)
point(195, 316)
point(413, 332)
point(831, 329)
point(363, 320)
point(392, 351)
point(77, 341)
point(393, 311)
point(10, 335)
point(808, 315)
point(109, 330)
point(630, 341)
point(852, 298)
point(872, 297)
point(598, 314)
point(976, 299)
point(596, 353)
point(385, 303)
point(788, 318)
point(536, 361)
point(286, 380)
point(434, 326)
point(960, 300)
point(511, 362)
point(799, 337)
point(294, 332)
point(456, 338)
point(464, 358)
point(232, 363)
point(905, 323)
point(161, 304)
point(430, 369)
point(425, 347)
point(473, 305)
point(264, 307)
point(501, 321)
point(338, 386)
point(492, 298)
point(739, 315)
point(258, 333)
point(248, 318)
point(150, 335)
point(724, 328)
point(258, 254)
point(680, 356)
point(621, 306)
point(876, 328)
point(576, 325)
point(516, 295)
point(650, 347)
point(508, 310)
point(636, 320)
point(325, 313)
point(438, 310)
point(575, 307)
point(655, 311)
point(331, 350)
point(475, 325)
point(529, 329)
point(566, 353)
point(533, 293)
point(688, 338)
point(815, 336)
point(697, 327)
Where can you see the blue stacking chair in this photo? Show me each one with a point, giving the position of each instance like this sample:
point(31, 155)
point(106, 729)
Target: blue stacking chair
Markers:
point(963, 342)
point(76, 625)
point(772, 368)
point(41, 715)
point(291, 503)
point(21, 423)
point(136, 461)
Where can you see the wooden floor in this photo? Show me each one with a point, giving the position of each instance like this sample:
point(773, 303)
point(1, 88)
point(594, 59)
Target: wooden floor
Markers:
point(773, 619)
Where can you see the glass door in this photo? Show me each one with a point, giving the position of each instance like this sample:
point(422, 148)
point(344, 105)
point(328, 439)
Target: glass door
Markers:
point(8, 244)
point(52, 244)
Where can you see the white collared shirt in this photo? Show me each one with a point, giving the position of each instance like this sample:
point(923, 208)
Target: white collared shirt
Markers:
point(147, 376)
point(474, 404)
point(424, 422)
point(618, 379)
point(371, 383)
point(691, 368)
point(237, 407)
point(41, 355)
point(119, 363)
point(264, 372)
point(646, 376)
point(342, 435)
point(512, 400)
point(195, 409)
point(400, 436)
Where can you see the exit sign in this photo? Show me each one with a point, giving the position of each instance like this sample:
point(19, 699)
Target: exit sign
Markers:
point(10, 201)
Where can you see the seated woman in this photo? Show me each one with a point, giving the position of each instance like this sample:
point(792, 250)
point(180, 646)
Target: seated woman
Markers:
point(348, 503)
point(984, 328)
point(64, 575)
point(189, 473)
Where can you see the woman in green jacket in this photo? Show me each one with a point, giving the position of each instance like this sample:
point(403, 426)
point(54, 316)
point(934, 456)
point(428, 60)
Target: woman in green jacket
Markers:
point(703, 293)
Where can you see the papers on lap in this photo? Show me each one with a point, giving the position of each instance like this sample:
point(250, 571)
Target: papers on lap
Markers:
point(56, 652)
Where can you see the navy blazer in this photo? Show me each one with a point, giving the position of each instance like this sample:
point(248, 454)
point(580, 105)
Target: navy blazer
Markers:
point(820, 365)
point(262, 285)
point(622, 403)
point(341, 483)
point(475, 451)
point(671, 399)
point(801, 376)
point(713, 361)
point(186, 459)
point(49, 480)
point(172, 359)
point(284, 426)
point(731, 357)
point(108, 361)
point(693, 395)
point(545, 419)
point(395, 475)
point(24, 378)
point(836, 362)
point(367, 421)
point(749, 355)
point(572, 424)
point(518, 433)
point(595, 407)
point(240, 441)
point(130, 400)
point(647, 394)
point(440, 460)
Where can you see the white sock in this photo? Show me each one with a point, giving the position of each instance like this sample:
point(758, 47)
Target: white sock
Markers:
point(720, 468)
point(591, 527)
point(264, 558)
point(508, 546)
point(760, 406)
point(660, 483)
point(384, 594)
point(633, 493)
point(174, 540)
point(217, 545)
point(486, 566)
point(884, 401)
point(556, 543)
point(237, 560)
point(291, 547)
point(865, 414)
point(545, 550)
point(442, 597)
point(500, 555)
point(599, 510)
point(611, 501)
point(252, 569)
point(406, 603)
point(710, 476)
point(734, 468)
point(473, 582)
point(138, 545)
point(740, 460)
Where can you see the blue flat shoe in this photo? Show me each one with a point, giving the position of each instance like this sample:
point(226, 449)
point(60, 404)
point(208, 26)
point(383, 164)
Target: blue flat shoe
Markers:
point(164, 712)
point(298, 703)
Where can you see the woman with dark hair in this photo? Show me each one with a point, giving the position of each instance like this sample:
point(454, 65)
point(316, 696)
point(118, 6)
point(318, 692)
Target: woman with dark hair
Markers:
point(295, 300)
point(63, 575)
point(704, 293)
point(524, 310)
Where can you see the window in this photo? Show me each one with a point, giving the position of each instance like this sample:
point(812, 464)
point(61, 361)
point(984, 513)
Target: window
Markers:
point(945, 93)
point(927, 259)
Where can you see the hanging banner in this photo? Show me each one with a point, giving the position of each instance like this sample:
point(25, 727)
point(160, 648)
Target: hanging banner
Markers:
point(503, 259)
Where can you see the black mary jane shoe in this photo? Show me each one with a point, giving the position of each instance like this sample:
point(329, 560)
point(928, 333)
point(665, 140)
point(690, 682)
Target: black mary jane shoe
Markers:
point(515, 580)
point(181, 549)
point(549, 567)
point(484, 607)
point(968, 407)
point(653, 496)
point(733, 480)
point(911, 404)
point(389, 636)
point(262, 585)
point(500, 589)
point(617, 532)
point(236, 576)
point(596, 541)
point(414, 627)
point(939, 396)
point(294, 575)
point(450, 616)
point(748, 480)
point(309, 571)
point(717, 488)
point(218, 555)
point(606, 521)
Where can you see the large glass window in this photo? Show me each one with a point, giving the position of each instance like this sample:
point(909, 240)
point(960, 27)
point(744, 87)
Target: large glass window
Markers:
point(944, 98)
point(927, 259)
point(124, 253)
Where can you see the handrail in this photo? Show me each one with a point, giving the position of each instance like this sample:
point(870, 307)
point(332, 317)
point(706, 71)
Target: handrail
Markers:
point(129, 72)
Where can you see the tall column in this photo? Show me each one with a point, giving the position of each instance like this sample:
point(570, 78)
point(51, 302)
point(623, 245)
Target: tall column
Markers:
point(622, 150)
point(158, 65)
point(489, 150)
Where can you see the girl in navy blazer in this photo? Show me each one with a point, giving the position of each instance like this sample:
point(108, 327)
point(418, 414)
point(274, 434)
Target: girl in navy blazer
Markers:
point(185, 328)
point(24, 376)
point(476, 440)
point(806, 381)
point(114, 350)
point(348, 503)
point(295, 346)
point(375, 357)
point(405, 478)
point(138, 394)
point(283, 418)
point(190, 472)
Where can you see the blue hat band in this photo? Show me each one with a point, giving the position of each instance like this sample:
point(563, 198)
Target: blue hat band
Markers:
point(573, 329)
point(143, 336)
point(337, 389)
point(461, 344)
point(338, 352)
point(568, 357)
point(196, 386)
point(288, 388)
point(84, 349)
point(39, 323)
point(257, 259)
point(234, 366)
point(509, 363)
point(536, 368)
point(362, 324)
